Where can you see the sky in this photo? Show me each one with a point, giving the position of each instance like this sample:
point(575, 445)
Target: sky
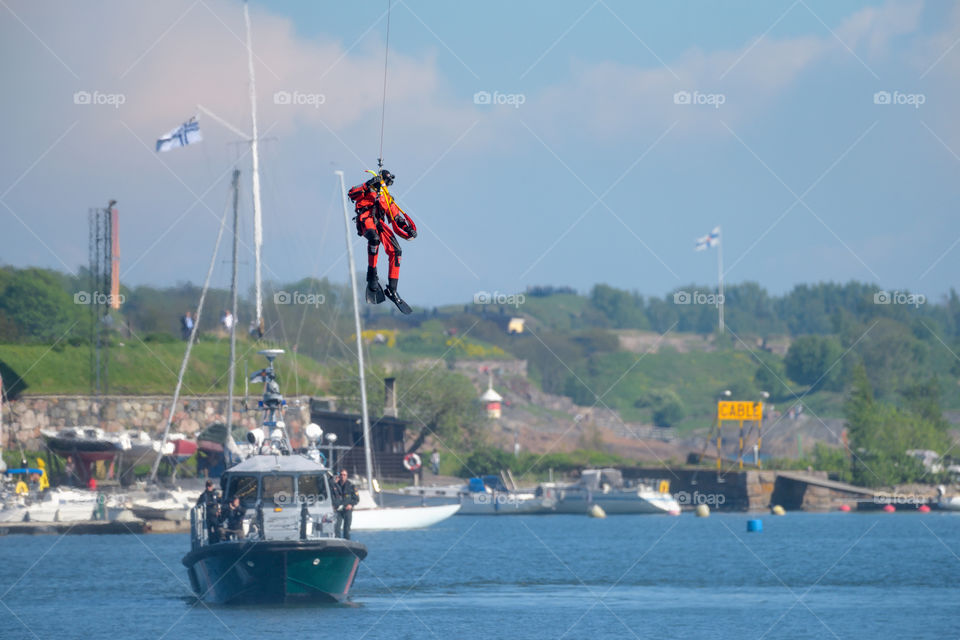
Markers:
point(534, 143)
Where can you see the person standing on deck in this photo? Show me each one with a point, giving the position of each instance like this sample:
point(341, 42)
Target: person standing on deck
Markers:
point(211, 501)
point(345, 499)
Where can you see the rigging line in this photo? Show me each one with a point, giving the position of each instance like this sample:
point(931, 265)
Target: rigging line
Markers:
point(383, 107)
point(313, 272)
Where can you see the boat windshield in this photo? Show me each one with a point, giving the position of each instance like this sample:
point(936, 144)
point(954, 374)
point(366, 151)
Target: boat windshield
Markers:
point(312, 489)
point(278, 489)
point(243, 486)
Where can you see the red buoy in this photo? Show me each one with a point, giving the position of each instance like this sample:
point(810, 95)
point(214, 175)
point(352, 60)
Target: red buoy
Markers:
point(889, 508)
point(923, 508)
point(845, 508)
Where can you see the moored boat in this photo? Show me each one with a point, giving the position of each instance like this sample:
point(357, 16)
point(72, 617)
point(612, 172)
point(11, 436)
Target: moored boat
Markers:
point(488, 495)
point(607, 489)
point(945, 502)
point(89, 444)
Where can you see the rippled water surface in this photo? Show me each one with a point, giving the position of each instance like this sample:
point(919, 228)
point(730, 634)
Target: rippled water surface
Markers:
point(804, 576)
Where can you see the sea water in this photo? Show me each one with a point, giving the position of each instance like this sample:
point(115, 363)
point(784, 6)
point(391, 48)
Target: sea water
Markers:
point(804, 576)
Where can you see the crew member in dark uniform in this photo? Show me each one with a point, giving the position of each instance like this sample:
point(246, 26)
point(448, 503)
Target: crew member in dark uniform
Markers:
point(233, 518)
point(211, 501)
point(346, 498)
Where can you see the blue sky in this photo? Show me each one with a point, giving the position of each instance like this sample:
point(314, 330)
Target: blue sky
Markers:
point(598, 176)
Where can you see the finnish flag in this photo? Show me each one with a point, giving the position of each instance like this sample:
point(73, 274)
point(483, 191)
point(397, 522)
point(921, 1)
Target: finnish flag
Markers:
point(187, 133)
point(707, 241)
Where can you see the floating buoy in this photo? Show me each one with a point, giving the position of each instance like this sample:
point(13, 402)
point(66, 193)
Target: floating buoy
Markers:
point(754, 526)
point(596, 511)
point(923, 508)
point(778, 510)
point(889, 508)
point(702, 511)
point(845, 508)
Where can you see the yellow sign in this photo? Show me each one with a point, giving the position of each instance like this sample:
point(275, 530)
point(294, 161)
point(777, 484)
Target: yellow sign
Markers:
point(740, 410)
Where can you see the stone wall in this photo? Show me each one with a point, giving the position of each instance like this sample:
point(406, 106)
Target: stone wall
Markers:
point(23, 418)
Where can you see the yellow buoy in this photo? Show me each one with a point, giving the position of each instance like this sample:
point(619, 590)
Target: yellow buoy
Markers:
point(702, 511)
point(596, 511)
point(778, 510)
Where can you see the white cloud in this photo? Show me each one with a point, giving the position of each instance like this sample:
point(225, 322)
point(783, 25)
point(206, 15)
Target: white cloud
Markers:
point(612, 100)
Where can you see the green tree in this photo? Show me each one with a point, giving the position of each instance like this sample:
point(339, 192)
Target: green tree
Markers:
point(439, 402)
point(892, 354)
point(624, 310)
point(815, 361)
point(36, 303)
point(667, 407)
point(881, 434)
point(772, 378)
point(486, 461)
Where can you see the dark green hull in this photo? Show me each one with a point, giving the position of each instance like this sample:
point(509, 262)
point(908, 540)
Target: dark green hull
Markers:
point(274, 571)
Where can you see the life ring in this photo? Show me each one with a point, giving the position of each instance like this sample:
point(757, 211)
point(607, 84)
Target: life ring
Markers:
point(411, 462)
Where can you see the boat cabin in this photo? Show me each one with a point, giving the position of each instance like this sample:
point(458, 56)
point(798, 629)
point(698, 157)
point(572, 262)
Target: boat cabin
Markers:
point(280, 495)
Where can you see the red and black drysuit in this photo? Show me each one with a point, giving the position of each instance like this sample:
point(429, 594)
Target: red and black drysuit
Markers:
point(380, 221)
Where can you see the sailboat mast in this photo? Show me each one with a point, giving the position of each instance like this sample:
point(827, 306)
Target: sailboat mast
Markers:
point(229, 445)
point(255, 156)
point(186, 354)
point(367, 444)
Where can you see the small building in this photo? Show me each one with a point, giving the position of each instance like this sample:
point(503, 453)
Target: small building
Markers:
point(515, 326)
point(387, 434)
point(492, 401)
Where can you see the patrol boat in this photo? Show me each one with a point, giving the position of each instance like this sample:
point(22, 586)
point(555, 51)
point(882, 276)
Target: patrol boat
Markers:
point(286, 550)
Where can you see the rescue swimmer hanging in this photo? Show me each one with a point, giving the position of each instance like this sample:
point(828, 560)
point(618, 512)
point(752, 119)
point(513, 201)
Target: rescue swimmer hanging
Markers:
point(380, 221)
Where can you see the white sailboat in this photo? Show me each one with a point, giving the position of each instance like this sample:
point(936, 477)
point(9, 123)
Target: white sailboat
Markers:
point(368, 515)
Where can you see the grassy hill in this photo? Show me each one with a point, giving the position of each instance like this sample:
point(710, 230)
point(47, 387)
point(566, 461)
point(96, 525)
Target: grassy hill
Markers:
point(141, 368)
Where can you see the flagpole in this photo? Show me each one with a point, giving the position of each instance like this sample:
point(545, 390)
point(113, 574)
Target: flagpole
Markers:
point(720, 278)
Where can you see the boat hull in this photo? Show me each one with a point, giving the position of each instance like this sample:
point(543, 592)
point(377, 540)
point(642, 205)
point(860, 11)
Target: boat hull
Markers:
point(86, 451)
point(398, 518)
point(277, 572)
point(499, 504)
point(617, 503)
point(949, 504)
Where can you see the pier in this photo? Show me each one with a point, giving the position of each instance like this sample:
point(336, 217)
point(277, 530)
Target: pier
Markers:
point(757, 490)
point(95, 527)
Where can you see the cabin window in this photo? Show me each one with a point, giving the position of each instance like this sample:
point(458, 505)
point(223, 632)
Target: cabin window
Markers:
point(312, 489)
point(278, 489)
point(243, 486)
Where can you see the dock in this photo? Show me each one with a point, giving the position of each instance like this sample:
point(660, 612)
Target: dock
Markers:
point(758, 490)
point(95, 527)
